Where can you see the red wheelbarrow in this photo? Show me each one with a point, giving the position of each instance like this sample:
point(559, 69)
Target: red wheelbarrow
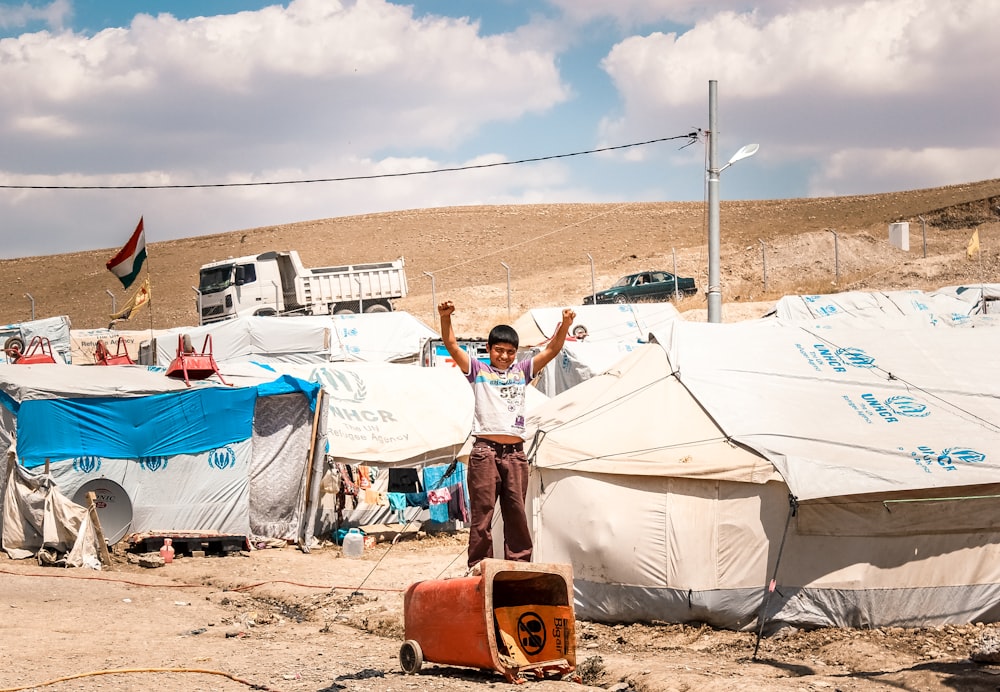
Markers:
point(513, 617)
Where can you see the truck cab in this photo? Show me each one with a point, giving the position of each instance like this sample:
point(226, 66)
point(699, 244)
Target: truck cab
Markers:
point(238, 287)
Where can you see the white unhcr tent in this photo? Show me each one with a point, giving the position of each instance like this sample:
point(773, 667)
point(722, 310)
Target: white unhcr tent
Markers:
point(955, 307)
point(209, 458)
point(868, 461)
point(612, 332)
point(371, 337)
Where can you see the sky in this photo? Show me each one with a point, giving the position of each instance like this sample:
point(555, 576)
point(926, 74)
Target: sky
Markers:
point(209, 124)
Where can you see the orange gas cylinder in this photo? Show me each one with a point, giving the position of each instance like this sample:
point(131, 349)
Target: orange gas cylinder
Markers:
point(512, 617)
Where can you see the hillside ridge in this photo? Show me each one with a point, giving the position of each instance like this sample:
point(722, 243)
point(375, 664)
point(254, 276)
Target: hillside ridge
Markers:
point(549, 249)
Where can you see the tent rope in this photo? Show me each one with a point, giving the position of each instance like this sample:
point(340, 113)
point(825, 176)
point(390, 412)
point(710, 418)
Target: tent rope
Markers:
point(793, 506)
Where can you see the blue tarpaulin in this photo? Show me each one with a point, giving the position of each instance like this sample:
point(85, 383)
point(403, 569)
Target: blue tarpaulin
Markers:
point(185, 422)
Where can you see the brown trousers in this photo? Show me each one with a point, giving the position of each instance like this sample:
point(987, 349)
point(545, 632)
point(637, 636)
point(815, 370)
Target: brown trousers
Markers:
point(498, 471)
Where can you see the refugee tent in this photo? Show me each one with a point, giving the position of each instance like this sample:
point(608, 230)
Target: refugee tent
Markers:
point(209, 457)
point(939, 308)
point(983, 299)
point(376, 337)
point(857, 468)
point(626, 323)
point(609, 333)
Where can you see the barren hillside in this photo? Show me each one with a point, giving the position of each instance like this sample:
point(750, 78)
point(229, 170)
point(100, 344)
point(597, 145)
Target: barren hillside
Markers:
point(547, 247)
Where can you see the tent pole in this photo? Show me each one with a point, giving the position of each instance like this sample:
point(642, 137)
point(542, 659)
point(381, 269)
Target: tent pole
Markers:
point(306, 484)
point(793, 506)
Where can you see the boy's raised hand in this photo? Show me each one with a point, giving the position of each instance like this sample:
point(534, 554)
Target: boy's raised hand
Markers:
point(446, 308)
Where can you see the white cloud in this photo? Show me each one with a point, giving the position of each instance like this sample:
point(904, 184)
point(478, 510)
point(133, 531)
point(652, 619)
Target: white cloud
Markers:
point(823, 79)
point(54, 15)
point(638, 12)
point(268, 87)
point(863, 171)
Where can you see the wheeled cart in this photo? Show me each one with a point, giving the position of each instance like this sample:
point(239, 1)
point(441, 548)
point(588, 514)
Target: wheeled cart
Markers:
point(512, 617)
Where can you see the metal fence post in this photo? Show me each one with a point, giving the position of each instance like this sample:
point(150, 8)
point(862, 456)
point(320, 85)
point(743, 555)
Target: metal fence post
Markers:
point(593, 287)
point(505, 266)
point(433, 296)
point(836, 257)
point(32, 299)
point(677, 288)
point(763, 255)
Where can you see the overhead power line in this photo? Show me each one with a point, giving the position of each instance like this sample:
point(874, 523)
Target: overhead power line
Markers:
point(692, 137)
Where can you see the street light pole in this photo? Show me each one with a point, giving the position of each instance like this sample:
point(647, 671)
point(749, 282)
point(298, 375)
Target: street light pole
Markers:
point(714, 280)
point(714, 291)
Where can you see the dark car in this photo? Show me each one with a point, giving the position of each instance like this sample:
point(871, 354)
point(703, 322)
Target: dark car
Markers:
point(644, 286)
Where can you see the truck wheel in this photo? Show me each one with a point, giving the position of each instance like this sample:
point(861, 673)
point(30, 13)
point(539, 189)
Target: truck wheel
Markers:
point(343, 311)
point(411, 658)
point(376, 307)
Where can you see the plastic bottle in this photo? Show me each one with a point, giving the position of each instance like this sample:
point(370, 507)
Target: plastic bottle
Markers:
point(354, 543)
point(167, 550)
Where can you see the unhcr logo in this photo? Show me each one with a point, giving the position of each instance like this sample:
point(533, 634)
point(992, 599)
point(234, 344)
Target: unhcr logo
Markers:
point(855, 357)
point(907, 406)
point(969, 456)
point(926, 457)
point(222, 459)
point(153, 463)
point(87, 464)
point(343, 385)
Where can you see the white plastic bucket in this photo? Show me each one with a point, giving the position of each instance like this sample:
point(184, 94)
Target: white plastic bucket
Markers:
point(354, 544)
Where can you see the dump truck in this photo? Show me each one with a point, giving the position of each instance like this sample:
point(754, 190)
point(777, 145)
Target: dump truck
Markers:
point(277, 283)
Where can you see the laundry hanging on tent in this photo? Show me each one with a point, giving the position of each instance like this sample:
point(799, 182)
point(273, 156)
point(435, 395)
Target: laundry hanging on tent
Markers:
point(444, 476)
point(403, 480)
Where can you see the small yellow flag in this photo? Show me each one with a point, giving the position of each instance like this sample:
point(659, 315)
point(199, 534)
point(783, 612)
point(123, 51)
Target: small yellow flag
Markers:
point(973, 245)
point(138, 299)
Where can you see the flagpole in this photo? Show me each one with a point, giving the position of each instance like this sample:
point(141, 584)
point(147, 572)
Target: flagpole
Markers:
point(149, 278)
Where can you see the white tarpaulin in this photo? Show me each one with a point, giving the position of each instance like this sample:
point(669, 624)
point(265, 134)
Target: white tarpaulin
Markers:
point(394, 413)
point(579, 361)
point(262, 339)
point(636, 419)
point(842, 410)
point(374, 337)
point(879, 309)
point(379, 337)
point(628, 323)
point(386, 413)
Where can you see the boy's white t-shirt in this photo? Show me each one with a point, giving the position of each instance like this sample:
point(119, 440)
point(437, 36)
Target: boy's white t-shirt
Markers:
point(499, 396)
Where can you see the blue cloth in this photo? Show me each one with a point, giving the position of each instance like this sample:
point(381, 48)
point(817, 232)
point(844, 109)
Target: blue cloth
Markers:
point(185, 422)
point(417, 500)
point(434, 478)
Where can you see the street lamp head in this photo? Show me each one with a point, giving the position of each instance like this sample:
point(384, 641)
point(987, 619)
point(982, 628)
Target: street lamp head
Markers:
point(744, 152)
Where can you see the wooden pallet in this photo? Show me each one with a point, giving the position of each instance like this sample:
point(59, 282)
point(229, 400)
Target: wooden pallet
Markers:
point(190, 545)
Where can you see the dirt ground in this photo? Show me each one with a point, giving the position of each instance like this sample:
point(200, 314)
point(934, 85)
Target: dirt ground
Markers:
point(281, 619)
